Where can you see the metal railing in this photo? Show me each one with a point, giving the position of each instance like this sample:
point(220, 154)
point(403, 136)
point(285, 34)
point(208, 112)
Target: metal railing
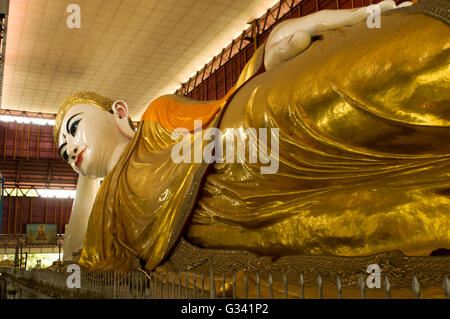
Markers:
point(139, 284)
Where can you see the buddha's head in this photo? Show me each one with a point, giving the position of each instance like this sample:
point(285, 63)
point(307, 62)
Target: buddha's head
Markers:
point(89, 131)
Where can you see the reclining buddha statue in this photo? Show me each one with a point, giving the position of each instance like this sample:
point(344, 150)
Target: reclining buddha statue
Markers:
point(344, 151)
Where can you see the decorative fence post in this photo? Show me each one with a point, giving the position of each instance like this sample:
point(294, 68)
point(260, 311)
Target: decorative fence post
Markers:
point(150, 286)
point(245, 286)
point(194, 288)
point(446, 285)
point(186, 290)
point(179, 285)
point(234, 285)
point(387, 287)
point(161, 276)
point(319, 284)
point(285, 286)
point(115, 282)
point(339, 287)
point(212, 288)
point(270, 280)
point(203, 285)
point(362, 286)
point(416, 287)
point(258, 292)
point(302, 288)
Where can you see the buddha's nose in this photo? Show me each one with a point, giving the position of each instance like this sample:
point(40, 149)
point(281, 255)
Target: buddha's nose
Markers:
point(73, 154)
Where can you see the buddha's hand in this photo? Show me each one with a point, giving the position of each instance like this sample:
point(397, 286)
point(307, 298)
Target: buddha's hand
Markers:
point(293, 36)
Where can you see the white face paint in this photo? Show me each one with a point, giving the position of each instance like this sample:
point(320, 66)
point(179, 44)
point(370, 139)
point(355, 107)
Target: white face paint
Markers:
point(88, 139)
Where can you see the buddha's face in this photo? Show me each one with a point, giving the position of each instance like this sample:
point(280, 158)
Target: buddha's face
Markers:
point(89, 136)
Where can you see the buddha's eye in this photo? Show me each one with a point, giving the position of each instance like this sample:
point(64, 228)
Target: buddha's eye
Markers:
point(65, 156)
point(74, 126)
point(62, 151)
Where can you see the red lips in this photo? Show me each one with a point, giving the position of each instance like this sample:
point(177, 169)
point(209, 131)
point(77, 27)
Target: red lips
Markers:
point(79, 159)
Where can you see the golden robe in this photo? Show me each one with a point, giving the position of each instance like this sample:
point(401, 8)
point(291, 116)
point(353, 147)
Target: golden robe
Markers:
point(363, 117)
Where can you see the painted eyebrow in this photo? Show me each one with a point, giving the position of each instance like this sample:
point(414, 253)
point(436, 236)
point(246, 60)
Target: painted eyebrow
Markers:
point(59, 149)
point(70, 119)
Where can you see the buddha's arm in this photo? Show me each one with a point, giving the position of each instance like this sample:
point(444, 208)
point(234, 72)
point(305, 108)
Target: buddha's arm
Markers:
point(293, 36)
point(84, 200)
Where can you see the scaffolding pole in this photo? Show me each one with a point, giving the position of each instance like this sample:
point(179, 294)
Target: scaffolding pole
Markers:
point(2, 186)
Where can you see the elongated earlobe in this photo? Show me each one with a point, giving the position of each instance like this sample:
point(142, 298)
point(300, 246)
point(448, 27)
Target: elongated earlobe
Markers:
point(120, 108)
point(120, 111)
